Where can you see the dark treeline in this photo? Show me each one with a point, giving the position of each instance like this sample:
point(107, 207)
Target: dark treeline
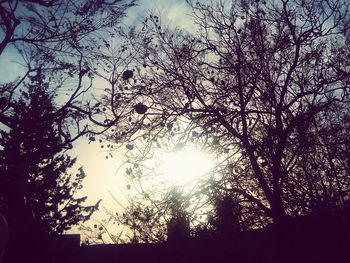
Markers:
point(262, 85)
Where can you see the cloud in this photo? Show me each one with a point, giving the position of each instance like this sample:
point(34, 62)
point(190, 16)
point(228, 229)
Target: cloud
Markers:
point(171, 12)
point(10, 65)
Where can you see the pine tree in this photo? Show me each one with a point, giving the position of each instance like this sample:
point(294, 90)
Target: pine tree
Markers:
point(36, 184)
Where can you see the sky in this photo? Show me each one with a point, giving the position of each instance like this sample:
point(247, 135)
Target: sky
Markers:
point(172, 12)
point(105, 176)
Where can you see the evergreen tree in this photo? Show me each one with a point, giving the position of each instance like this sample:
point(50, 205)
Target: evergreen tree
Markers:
point(36, 184)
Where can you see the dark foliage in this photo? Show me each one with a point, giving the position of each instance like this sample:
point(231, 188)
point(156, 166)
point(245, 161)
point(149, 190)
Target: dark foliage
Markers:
point(57, 25)
point(36, 185)
point(127, 74)
point(140, 108)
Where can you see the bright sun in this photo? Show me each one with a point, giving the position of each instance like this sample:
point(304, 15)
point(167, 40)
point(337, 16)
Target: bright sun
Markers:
point(183, 166)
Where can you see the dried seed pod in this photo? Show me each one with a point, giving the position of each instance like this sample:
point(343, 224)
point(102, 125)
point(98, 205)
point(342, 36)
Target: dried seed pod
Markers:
point(140, 108)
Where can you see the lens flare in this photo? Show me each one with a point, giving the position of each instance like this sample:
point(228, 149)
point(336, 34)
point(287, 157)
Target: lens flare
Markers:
point(183, 166)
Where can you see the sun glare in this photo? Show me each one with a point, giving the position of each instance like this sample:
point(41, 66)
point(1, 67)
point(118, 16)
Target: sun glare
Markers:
point(184, 166)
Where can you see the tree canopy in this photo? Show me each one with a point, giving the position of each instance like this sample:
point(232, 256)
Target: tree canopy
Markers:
point(57, 25)
point(262, 85)
point(61, 39)
point(259, 84)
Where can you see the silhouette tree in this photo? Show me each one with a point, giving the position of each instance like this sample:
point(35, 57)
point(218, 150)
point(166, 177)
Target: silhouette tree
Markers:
point(247, 86)
point(63, 39)
point(37, 186)
point(323, 166)
point(178, 226)
point(147, 218)
point(150, 220)
point(226, 221)
point(58, 25)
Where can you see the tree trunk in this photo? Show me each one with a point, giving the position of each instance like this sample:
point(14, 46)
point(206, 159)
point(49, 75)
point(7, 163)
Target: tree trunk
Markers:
point(280, 229)
point(279, 216)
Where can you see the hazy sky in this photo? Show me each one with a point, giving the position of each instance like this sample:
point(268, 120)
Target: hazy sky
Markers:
point(102, 171)
point(174, 12)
